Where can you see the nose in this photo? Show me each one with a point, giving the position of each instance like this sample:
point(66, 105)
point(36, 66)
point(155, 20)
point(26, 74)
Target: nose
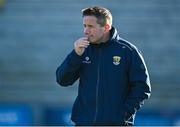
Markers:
point(86, 31)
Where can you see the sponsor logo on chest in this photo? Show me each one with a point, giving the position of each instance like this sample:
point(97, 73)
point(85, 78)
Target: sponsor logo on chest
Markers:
point(86, 60)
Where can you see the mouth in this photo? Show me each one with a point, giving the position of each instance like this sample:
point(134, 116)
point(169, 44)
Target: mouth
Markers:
point(89, 37)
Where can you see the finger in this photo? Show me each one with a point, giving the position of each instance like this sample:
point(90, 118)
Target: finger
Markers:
point(83, 42)
point(84, 38)
point(87, 42)
point(82, 45)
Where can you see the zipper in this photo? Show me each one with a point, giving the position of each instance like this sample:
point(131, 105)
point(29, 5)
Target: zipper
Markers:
point(97, 87)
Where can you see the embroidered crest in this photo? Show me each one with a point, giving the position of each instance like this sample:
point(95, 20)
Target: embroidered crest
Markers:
point(116, 60)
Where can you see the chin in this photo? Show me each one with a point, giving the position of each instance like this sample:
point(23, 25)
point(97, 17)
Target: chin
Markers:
point(94, 42)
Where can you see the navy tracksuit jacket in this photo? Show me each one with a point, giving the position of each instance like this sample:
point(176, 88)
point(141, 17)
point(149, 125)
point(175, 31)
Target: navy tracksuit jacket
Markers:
point(113, 82)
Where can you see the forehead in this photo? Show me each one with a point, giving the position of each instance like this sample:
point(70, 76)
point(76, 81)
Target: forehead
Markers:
point(89, 19)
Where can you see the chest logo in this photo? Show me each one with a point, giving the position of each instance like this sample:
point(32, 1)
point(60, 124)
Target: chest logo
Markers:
point(87, 60)
point(116, 60)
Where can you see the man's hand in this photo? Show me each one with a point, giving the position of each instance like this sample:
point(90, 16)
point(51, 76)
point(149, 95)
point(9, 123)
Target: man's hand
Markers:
point(80, 45)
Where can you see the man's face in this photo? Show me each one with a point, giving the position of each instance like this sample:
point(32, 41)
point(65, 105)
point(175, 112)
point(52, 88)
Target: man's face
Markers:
point(92, 30)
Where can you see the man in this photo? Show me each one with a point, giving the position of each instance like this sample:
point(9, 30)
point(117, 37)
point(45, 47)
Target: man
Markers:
point(113, 78)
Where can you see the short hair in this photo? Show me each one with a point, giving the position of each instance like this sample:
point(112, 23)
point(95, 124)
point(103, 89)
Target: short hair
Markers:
point(102, 14)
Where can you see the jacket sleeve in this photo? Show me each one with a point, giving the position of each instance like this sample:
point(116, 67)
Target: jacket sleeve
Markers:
point(68, 72)
point(140, 87)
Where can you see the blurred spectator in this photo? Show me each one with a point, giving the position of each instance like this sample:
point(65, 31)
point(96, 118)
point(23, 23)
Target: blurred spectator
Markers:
point(2, 3)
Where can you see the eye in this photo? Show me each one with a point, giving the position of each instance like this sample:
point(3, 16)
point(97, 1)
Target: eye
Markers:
point(91, 26)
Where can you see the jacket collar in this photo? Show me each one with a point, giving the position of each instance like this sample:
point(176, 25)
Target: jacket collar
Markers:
point(113, 34)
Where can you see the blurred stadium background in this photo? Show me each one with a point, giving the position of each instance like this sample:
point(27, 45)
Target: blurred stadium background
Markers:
point(36, 36)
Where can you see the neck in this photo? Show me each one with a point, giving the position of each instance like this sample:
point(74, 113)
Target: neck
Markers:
point(105, 38)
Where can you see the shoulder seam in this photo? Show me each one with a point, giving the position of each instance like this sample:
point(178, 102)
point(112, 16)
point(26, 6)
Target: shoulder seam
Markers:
point(125, 45)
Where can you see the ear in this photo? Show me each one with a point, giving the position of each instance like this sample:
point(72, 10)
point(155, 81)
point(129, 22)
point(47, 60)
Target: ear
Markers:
point(107, 27)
